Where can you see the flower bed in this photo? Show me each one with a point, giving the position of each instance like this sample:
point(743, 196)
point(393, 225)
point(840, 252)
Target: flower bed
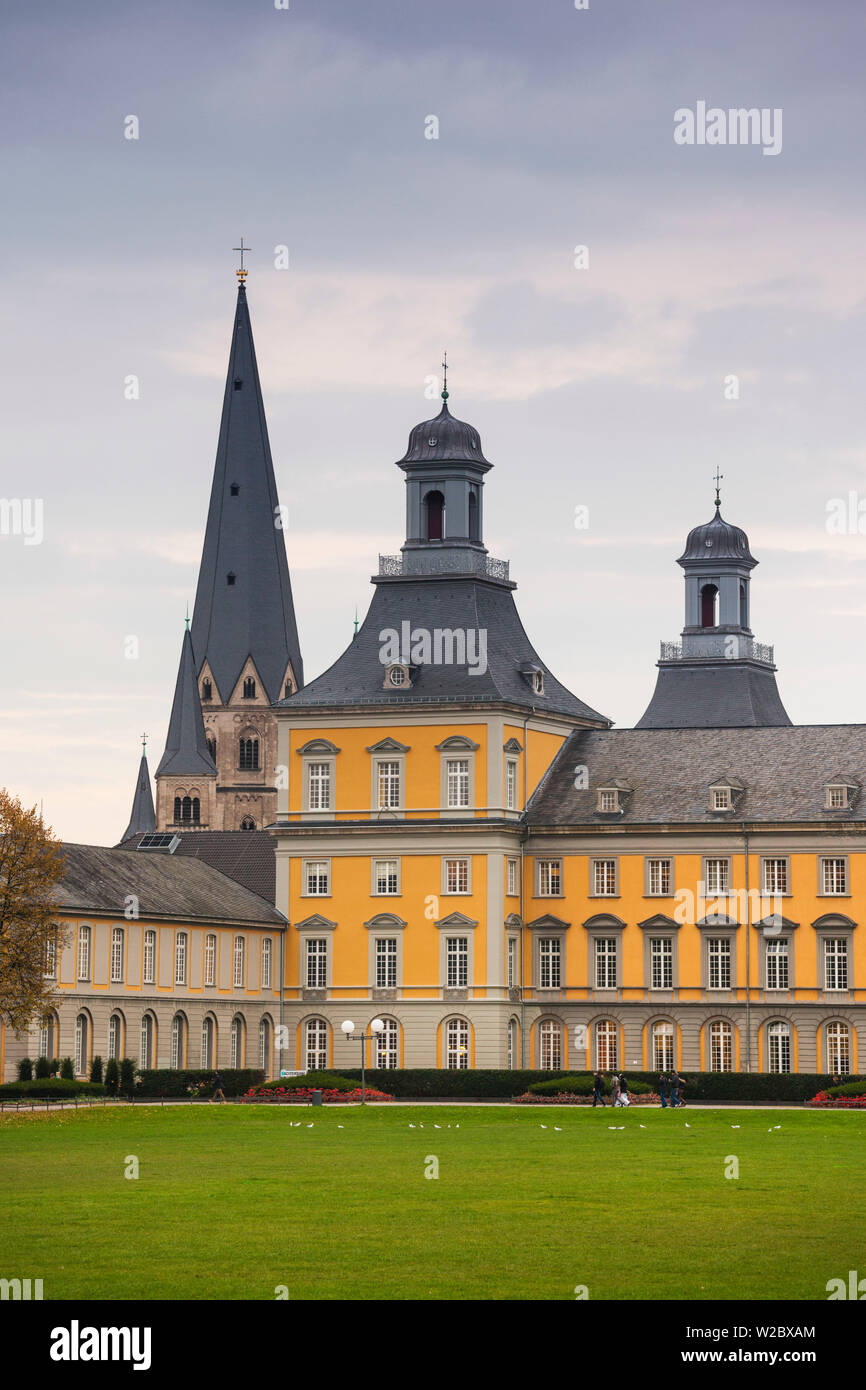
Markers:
point(302, 1095)
point(826, 1100)
point(573, 1098)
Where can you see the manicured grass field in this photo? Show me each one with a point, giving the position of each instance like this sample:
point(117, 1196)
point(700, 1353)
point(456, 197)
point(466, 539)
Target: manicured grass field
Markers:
point(232, 1201)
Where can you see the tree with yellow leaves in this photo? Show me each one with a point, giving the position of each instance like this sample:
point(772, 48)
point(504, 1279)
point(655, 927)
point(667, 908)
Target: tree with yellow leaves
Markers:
point(31, 866)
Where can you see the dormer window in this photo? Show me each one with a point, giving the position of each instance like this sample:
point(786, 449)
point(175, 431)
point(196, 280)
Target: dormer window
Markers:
point(206, 689)
point(234, 489)
point(608, 799)
point(538, 682)
point(231, 577)
point(721, 798)
point(725, 794)
point(249, 688)
point(397, 676)
point(238, 383)
point(838, 796)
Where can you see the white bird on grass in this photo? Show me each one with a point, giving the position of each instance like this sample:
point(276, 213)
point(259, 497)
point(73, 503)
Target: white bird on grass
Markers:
point(544, 1126)
point(310, 1125)
point(437, 1126)
point(558, 1128)
point(735, 1126)
point(688, 1126)
point(641, 1126)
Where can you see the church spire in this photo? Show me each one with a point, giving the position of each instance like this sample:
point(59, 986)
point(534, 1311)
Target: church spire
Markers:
point(186, 751)
point(243, 603)
point(142, 818)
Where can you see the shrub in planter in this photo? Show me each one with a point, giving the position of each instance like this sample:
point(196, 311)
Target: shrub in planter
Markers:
point(582, 1085)
point(112, 1076)
point(188, 1084)
point(25, 1069)
point(43, 1067)
point(851, 1088)
point(67, 1071)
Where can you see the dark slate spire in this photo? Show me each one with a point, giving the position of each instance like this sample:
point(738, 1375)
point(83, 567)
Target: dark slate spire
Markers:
point(142, 818)
point(243, 603)
point(186, 751)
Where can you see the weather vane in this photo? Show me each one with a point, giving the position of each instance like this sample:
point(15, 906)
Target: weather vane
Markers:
point(143, 744)
point(719, 476)
point(445, 376)
point(241, 274)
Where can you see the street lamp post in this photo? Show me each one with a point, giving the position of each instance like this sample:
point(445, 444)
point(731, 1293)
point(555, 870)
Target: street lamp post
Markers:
point(376, 1027)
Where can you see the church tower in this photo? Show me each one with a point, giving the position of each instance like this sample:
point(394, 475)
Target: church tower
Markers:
point(717, 676)
point(243, 644)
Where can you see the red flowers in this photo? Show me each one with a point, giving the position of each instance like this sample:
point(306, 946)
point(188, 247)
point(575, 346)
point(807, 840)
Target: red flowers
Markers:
point(825, 1101)
point(302, 1095)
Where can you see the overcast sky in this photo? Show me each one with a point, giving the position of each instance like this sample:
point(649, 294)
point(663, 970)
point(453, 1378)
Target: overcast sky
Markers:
point(601, 387)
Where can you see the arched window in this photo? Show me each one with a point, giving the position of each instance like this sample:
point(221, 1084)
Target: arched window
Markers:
point(434, 516)
point(248, 823)
point(177, 809)
point(148, 1035)
point(210, 945)
point(206, 689)
point(744, 607)
point(316, 1045)
point(605, 1045)
point(196, 810)
point(178, 1041)
point(239, 962)
point(839, 1048)
point(82, 1044)
point(186, 808)
point(709, 595)
point(208, 1042)
point(249, 688)
point(457, 1044)
point(386, 1045)
point(473, 516)
point(511, 1044)
point(265, 1045)
point(663, 1046)
point(249, 754)
point(778, 1047)
point(84, 953)
point(721, 1046)
point(117, 955)
point(550, 1045)
point(237, 1041)
point(289, 689)
point(115, 1035)
point(211, 746)
point(48, 1037)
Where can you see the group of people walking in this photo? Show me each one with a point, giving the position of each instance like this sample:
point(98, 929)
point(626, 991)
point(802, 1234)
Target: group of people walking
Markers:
point(671, 1087)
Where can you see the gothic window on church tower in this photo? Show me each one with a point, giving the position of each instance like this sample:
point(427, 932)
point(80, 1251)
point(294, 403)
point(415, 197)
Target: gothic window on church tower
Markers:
point(230, 577)
point(249, 754)
point(289, 690)
point(248, 823)
point(234, 490)
point(211, 746)
point(249, 688)
point(709, 597)
point(206, 689)
point(434, 516)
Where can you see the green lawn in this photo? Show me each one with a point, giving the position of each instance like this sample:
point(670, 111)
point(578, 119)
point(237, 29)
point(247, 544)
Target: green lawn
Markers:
point(232, 1201)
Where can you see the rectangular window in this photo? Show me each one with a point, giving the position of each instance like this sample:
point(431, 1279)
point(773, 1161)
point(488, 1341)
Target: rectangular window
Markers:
point(116, 955)
point(838, 798)
point(604, 878)
point(605, 962)
point(511, 962)
point(210, 959)
point(721, 799)
point(608, 801)
point(84, 953)
point(775, 877)
point(777, 965)
point(317, 963)
point(456, 875)
point(512, 878)
point(457, 960)
point(457, 782)
point(834, 877)
point(717, 876)
point(510, 784)
point(180, 958)
point(549, 878)
point(658, 878)
point(317, 878)
point(149, 965)
point(662, 962)
point(386, 962)
point(719, 954)
point(240, 961)
point(266, 963)
point(319, 786)
point(386, 877)
point(388, 781)
point(549, 962)
point(835, 963)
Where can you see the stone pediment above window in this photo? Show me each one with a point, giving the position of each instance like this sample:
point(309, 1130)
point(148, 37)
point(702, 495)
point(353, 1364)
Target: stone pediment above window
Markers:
point(512, 746)
point(323, 746)
point(659, 922)
point(715, 920)
point(602, 920)
point(775, 923)
point(548, 922)
point(513, 921)
point(457, 743)
point(385, 921)
point(831, 921)
point(316, 922)
point(388, 745)
point(455, 921)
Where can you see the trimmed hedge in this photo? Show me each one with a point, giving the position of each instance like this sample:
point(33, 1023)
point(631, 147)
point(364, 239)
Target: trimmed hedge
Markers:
point(49, 1088)
point(311, 1080)
point(853, 1088)
point(166, 1083)
point(582, 1086)
point(736, 1087)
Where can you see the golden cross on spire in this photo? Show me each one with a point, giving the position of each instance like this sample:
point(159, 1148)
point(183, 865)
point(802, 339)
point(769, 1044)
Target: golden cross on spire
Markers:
point(241, 274)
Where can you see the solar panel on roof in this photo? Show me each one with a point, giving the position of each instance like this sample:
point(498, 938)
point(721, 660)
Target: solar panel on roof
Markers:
point(165, 841)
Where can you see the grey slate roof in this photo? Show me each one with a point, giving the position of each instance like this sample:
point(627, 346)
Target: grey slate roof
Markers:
point(714, 695)
point(718, 540)
point(247, 856)
point(783, 771)
point(440, 601)
point(142, 818)
point(255, 615)
point(186, 751)
point(444, 438)
point(97, 879)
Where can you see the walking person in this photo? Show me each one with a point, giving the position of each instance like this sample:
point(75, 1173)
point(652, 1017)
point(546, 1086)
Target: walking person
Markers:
point(623, 1091)
point(218, 1088)
point(614, 1090)
point(664, 1089)
point(678, 1086)
point(598, 1090)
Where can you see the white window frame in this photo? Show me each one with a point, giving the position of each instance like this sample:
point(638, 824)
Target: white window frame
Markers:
point(548, 878)
point(512, 784)
point(605, 952)
point(84, 952)
point(604, 878)
point(835, 960)
point(836, 874)
point(457, 1044)
point(181, 944)
point(461, 874)
point(118, 952)
point(779, 1047)
point(776, 876)
point(386, 953)
point(324, 872)
point(719, 868)
point(458, 784)
point(239, 962)
point(720, 1040)
point(378, 877)
point(550, 954)
point(663, 958)
point(512, 878)
point(316, 1039)
point(316, 955)
point(550, 1045)
point(148, 963)
point(661, 868)
point(210, 958)
point(457, 962)
point(267, 956)
point(720, 955)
